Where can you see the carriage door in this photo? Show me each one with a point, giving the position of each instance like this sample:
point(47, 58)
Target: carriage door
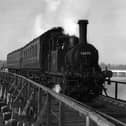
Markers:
point(54, 61)
point(53, 55)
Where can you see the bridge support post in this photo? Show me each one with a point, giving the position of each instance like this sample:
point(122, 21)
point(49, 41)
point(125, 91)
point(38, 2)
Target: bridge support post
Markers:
point(60, 114)
point(48, 109)
point(28, 90)
point(39, 100)
point(87, 121)
point(116, 90)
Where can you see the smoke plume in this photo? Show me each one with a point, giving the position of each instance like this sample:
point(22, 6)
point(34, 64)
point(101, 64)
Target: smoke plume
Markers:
point(62, 12)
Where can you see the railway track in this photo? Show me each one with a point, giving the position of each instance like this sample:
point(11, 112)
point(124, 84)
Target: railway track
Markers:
point(111, 109)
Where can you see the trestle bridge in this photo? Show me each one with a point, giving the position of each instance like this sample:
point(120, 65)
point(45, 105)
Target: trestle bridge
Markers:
point(24, 102)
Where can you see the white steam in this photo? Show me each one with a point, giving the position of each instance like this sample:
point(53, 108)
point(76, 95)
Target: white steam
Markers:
point(38, 25)
point(70, 26)
point(52, 5)
point(64, 13)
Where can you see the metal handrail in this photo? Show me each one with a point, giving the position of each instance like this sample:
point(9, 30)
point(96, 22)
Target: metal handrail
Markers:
point(116, 86)
point(113, 81)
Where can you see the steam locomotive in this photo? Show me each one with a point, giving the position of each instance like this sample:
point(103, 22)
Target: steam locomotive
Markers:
point(58, 58)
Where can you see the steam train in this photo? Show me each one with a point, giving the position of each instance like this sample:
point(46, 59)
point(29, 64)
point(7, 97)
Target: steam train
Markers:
point(58, 58)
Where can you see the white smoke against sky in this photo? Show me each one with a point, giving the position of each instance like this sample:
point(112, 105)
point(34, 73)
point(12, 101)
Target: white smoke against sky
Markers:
point(63, 13)
point(38, 25)
point(52, 5)
point(70, 26)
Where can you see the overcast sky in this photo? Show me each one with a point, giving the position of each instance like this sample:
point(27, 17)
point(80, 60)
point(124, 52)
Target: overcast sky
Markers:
point(23, 20)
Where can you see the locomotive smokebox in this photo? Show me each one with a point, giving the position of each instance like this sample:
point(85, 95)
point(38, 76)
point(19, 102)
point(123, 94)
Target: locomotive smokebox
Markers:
point(83, 31)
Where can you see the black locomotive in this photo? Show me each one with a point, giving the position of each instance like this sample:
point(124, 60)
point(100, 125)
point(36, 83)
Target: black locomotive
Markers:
point(57, 58)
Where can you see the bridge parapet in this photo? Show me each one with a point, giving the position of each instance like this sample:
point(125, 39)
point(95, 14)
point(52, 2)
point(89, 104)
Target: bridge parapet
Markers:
point(33, 104)
point(115, 85)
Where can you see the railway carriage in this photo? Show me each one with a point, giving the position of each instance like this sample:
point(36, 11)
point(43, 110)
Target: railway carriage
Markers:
point(36, 55)
point(30, 55)
point(14, 60)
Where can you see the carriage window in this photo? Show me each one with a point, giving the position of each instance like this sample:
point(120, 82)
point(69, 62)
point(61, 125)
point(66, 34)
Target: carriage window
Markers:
point(25, 53)
point(52, 45)
point(35, 50)
point(28, 52)
point(32, 51)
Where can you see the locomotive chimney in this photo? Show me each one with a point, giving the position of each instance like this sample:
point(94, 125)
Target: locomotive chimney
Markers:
point(83, 31)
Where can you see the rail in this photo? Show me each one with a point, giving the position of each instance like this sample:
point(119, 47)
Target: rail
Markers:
point(33, 104)
point(116, 83)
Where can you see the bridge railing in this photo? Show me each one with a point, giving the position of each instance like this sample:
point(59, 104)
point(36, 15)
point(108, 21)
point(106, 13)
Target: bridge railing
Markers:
point(33, 104)
point(116, 86)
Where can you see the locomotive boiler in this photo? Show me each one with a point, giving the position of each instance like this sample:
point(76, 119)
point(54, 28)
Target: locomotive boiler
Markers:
point(58, 58)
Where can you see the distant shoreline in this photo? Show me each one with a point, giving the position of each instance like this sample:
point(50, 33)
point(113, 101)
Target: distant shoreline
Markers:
point(119, 79)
